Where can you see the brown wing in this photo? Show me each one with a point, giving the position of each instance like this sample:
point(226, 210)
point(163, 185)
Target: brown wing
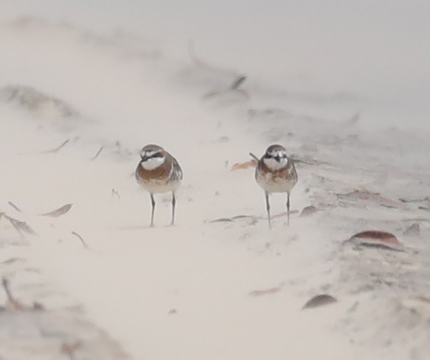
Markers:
point(177, 173)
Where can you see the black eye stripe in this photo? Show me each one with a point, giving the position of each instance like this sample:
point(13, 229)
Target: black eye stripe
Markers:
point(276, 156)
point(152, 156)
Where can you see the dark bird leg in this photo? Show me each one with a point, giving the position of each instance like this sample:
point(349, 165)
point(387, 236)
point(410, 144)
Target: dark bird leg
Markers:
point(288, 208)
point(173, 208)
point(268, 209)
point(153, 209)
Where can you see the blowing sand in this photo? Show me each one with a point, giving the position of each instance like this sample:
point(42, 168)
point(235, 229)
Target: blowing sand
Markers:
point(219, 284)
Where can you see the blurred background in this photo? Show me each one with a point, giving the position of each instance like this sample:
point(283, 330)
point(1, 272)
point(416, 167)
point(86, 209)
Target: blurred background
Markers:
point(373, 51)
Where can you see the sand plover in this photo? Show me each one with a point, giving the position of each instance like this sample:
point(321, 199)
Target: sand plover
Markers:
point(158, 172)
point(275, 173)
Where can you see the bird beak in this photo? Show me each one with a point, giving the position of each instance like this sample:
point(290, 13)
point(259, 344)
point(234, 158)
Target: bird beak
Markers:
point(144, 156)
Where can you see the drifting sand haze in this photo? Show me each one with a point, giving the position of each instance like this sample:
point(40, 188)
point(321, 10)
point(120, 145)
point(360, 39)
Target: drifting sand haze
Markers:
point(185, 292)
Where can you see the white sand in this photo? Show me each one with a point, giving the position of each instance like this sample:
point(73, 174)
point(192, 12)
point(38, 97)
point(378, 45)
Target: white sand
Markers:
point(183, 292)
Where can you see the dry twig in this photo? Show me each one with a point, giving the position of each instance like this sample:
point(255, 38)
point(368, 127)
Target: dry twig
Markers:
point(115, 193)
point(12, 261)
point(269, 291)
point(20, 226)
point(12, 303)
point(14, 206)
point(80, 238)
point(57, 149)
point(237, 83)
point(98, 153)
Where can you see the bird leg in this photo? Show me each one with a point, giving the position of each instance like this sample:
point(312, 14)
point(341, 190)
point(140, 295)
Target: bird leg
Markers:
point(173, 207)
point(153, 209)
point(268, 209)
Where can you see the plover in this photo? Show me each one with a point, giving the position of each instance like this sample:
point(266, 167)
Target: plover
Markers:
point(158, 172)
point(276, 173)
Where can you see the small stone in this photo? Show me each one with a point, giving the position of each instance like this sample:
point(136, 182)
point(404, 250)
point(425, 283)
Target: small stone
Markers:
point(38, 306)
point(319, 300)
point(377, 235)
point(376, 239)
point(308, 210)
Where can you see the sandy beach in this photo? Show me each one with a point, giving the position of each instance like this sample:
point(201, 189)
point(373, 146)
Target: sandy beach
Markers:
point(76, 106)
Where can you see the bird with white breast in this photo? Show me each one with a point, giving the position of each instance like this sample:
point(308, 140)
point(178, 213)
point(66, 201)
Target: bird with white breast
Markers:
point(276, 173)
point(158, 172)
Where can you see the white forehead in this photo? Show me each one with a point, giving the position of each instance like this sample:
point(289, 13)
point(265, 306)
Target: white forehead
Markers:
point(148, 153)
point(276, 152)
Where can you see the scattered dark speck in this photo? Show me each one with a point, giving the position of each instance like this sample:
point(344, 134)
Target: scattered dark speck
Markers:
point(173, 311)
point(319, 300)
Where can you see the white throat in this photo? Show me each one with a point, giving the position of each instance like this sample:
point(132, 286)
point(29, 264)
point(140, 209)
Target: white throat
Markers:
point(153, 163)
point(272, 164)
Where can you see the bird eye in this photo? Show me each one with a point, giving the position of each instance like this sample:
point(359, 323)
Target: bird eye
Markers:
point(151, 154)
